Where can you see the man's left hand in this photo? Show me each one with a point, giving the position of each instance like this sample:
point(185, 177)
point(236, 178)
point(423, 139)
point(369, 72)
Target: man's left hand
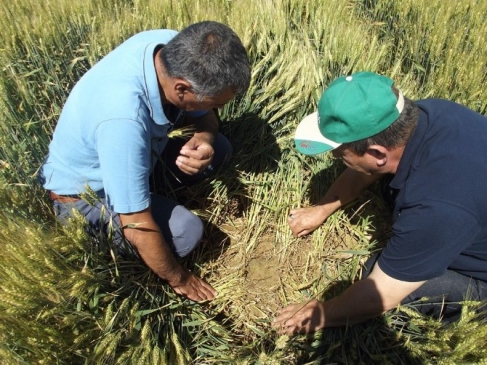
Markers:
point(195, 156)
point(300, 318)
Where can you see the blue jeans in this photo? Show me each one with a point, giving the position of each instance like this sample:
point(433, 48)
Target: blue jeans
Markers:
point(181, 229)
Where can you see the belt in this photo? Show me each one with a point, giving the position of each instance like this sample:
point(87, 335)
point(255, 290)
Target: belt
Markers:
point(63, 198)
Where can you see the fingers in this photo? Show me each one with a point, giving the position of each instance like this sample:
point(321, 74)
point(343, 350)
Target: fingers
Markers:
point(191, 167)
point(193, 161)
point(196, 289)
point(288, 321)
point(304, 232)
point(207, 291)
point(285, 313)
point(294, 220)
point(296, 214)
point(303, 221)
point(300, 318)
point(202, 152)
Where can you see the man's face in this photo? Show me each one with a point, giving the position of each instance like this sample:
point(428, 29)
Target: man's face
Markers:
point(366, 164)
point(187, 101)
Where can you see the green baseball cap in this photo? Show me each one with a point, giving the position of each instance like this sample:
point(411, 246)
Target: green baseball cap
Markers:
point(352, 108)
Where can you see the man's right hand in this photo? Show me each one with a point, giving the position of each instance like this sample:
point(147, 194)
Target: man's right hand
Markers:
point(194, 288)
point(303, 221)
point(300, 318)
point(346, 188)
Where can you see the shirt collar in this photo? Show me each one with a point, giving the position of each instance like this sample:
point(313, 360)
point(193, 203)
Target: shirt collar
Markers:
point(152, 86)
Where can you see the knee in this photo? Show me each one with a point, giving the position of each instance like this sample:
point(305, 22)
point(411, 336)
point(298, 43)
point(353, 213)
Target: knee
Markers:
point(187, 231)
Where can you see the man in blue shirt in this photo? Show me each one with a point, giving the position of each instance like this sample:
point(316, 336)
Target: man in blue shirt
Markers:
point(434, 150)
point(114, 128)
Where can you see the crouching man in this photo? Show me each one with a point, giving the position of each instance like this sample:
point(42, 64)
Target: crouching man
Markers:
point(433, 151)
point(114, 128)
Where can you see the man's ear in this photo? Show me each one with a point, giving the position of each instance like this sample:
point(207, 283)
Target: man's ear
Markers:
point(380, 153)
point(181, 87)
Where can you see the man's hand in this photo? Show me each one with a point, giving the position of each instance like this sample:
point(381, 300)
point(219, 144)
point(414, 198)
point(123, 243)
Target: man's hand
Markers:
point(346, 188)
point(192, 287)
point(195, 156)
point(364, 299)
point(300, 318)
point(303, 221)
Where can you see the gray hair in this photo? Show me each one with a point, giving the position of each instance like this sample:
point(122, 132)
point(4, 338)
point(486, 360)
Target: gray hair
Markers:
point(396, 135)
point(210, 56)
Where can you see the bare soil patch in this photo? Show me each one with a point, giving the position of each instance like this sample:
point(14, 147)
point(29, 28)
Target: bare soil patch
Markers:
point(269, 277)
point(271, 274)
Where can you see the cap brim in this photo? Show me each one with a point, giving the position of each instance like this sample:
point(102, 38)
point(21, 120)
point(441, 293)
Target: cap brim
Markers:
point(308, 137)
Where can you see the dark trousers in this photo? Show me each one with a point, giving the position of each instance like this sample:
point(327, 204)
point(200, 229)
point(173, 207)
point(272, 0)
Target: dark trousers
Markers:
point(440, 297)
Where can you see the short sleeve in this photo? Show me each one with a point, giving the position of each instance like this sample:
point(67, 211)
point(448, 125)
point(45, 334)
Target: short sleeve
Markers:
point(124, 155)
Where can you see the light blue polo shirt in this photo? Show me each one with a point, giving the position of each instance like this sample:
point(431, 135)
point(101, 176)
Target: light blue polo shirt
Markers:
point(112, 128)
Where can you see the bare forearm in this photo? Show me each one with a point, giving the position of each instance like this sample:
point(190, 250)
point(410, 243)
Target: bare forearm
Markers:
point(367, 298)
point(158, 256)
point(144, 234)
point(359, 302)
point(349, 185)
point(355, 305)
point(146, 237)
point(346, 188)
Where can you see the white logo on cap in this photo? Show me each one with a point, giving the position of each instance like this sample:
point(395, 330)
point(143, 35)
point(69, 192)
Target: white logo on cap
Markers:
point(349, 78)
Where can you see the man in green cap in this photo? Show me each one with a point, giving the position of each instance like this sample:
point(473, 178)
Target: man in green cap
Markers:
point(433, 151)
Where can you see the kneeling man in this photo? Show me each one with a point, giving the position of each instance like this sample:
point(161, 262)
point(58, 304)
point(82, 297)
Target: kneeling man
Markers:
point(433, 152)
